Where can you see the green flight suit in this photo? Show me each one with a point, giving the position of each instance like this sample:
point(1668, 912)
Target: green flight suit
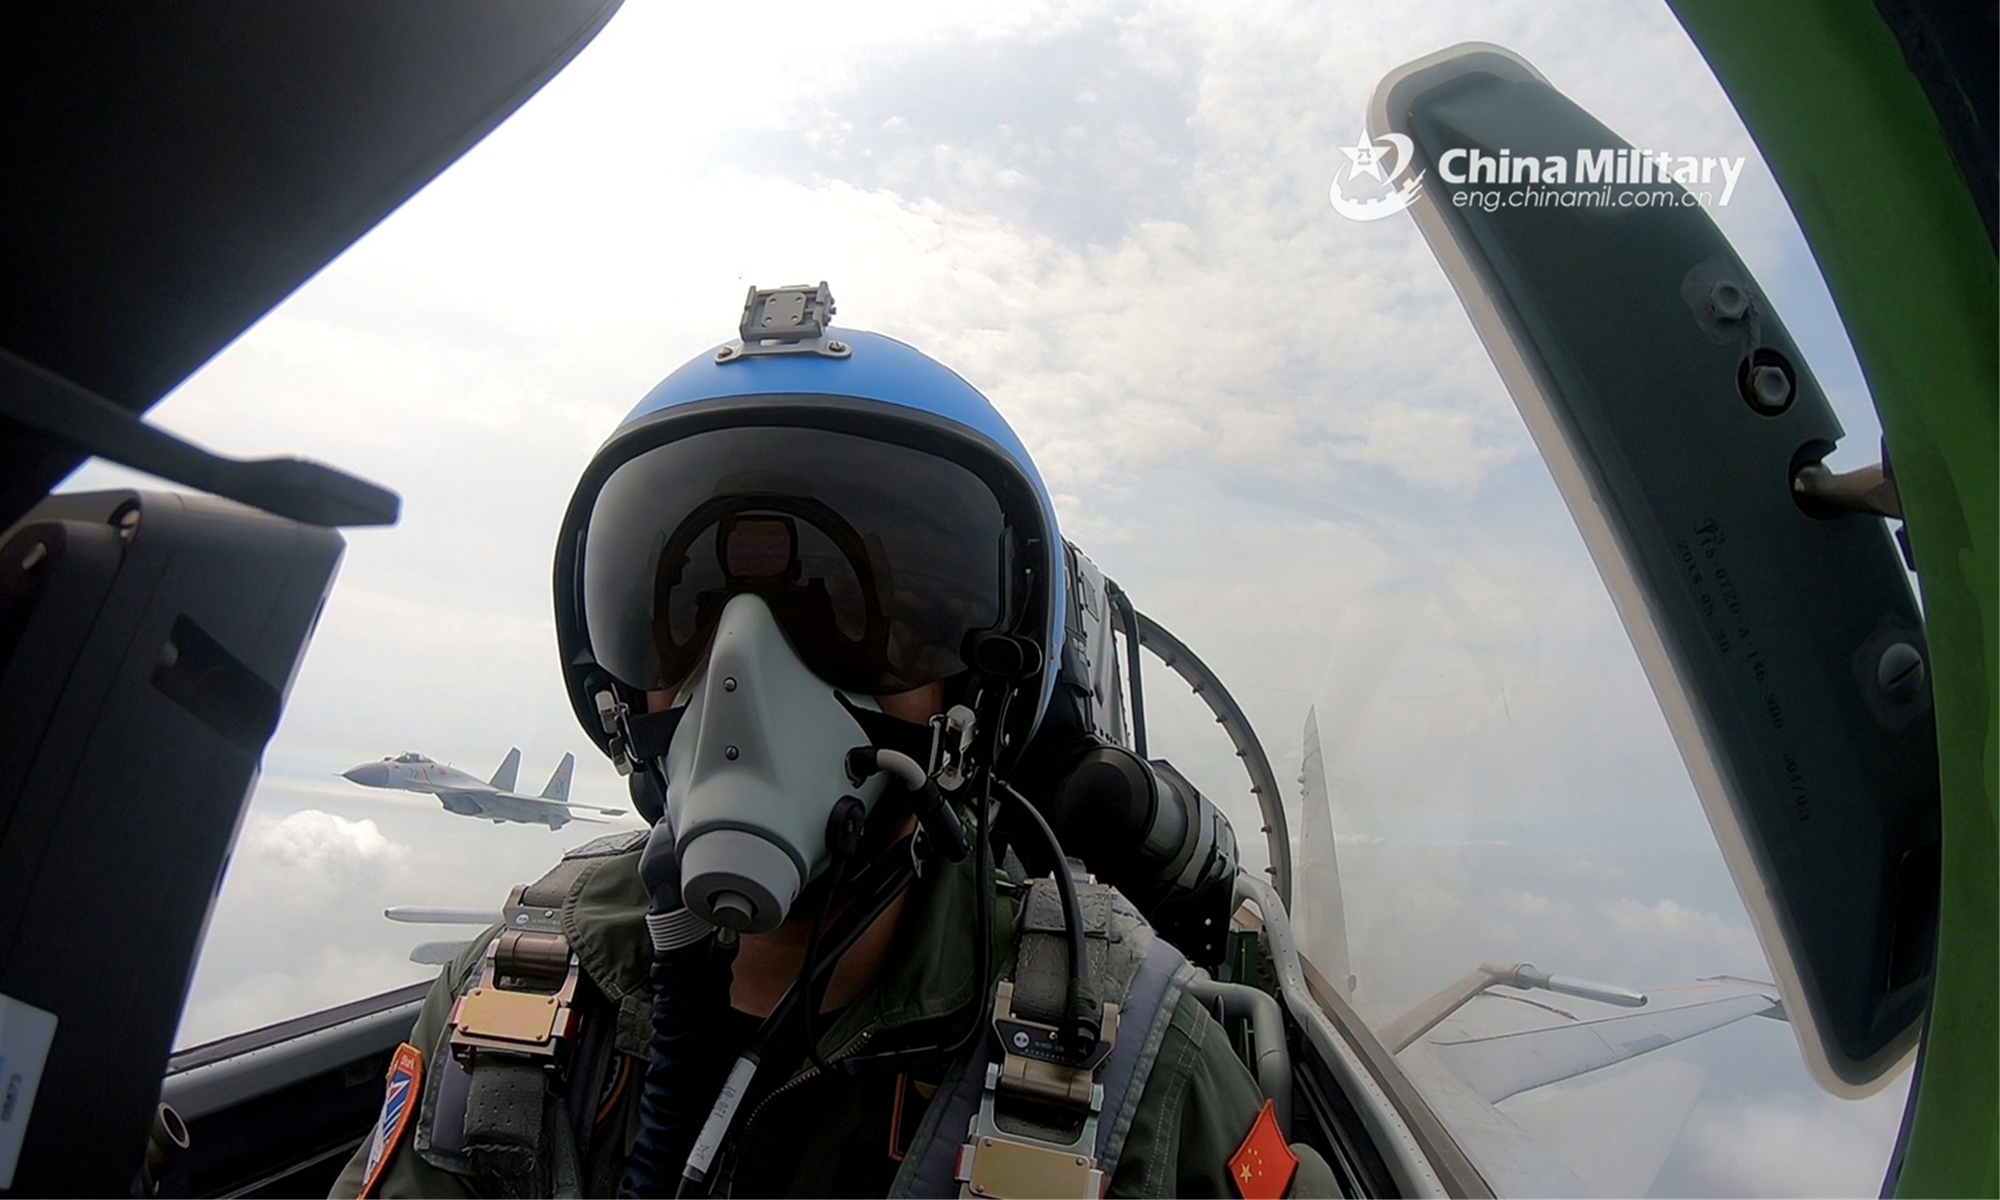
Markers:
point(826, 1136)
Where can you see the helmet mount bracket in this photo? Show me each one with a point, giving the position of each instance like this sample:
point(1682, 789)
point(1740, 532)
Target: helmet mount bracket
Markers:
point(786, 320)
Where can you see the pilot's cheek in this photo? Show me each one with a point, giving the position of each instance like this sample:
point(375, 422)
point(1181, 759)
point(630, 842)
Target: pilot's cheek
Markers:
point(917, 705)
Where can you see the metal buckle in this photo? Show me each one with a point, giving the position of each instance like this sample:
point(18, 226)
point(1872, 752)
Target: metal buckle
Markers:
point(1035, 1069)
point(998, 1164)
point(951, 747)
point(611, 714)
point(535, 1024)
point(1036, 1062)
point(786, 320)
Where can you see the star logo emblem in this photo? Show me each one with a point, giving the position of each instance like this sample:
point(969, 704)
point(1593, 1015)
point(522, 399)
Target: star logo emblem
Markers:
point(1366, 155)
point(1389, 161)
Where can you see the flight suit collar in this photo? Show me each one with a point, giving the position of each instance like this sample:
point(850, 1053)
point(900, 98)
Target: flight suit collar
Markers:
point(928, 972)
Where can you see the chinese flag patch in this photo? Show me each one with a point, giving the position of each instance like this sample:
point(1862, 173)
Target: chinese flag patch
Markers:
point(1264, 1164)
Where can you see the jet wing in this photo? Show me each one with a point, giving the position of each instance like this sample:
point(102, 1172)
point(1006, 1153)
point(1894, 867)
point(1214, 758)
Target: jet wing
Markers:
point(1497, 1066)
point(1615, 1133)
point(572, 805)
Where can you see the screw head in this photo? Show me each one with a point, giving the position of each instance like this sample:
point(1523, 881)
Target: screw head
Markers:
point(729, 683)
point(837, 347)
point(729, 752)
point(1900, 671)
point(1728, 301)
point(1770, 390)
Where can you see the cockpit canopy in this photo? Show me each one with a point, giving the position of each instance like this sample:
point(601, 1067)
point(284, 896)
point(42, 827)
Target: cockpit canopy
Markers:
point(410, 757)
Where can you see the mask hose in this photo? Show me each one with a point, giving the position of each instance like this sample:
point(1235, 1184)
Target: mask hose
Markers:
point(843, 837)
point(856, 921)
point(686, 1061)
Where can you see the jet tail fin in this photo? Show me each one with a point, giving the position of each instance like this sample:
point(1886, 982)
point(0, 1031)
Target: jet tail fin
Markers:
point(1319, 908)
point(510, 769)
point(558, 789)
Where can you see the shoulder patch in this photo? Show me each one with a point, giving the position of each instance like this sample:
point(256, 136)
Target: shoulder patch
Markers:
point(399, 1105)
point(1264, 1165)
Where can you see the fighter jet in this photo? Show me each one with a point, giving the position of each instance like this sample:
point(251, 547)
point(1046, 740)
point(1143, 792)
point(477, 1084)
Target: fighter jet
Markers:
point(464, 794)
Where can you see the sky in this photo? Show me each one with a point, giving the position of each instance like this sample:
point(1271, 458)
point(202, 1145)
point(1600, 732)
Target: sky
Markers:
point(1273, 426)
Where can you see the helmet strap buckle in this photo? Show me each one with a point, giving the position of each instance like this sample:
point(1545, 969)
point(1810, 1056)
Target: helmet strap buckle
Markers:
point(952, 734)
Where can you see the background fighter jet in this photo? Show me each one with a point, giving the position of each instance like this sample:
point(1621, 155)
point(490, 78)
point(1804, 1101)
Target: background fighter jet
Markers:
point(466, 795)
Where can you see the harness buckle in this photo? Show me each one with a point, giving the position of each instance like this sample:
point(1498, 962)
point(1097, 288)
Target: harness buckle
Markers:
point(1001, 1157)
point(524, 1003)
point(1004, 1163)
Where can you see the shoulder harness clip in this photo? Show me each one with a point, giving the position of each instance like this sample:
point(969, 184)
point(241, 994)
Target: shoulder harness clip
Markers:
point(524, 1002)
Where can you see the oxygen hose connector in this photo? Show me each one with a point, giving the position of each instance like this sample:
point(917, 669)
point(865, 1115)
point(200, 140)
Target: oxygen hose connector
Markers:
point(937, 818)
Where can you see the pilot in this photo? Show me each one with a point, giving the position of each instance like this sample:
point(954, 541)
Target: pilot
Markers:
point(809, 598)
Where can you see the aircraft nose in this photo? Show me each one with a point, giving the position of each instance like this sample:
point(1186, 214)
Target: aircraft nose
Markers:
point(368, 775)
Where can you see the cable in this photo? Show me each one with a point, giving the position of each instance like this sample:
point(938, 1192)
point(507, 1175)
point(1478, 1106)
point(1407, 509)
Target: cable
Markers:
point(815, 990)
point(853, 923)
point(1085, 1012)
point(983, 903)
point(726, 1104)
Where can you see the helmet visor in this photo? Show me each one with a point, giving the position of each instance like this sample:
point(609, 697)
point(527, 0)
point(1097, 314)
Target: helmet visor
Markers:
point(877, 559)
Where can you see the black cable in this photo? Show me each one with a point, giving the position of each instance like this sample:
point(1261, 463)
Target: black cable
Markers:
point(1085, 1013)
point(854, 927)
point(809, 970)
point(847, 932)
point(983, 902)
point(687, 1062)
point(855, 922)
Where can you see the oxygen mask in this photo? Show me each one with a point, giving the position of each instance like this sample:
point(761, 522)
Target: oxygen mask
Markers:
point(757, 765)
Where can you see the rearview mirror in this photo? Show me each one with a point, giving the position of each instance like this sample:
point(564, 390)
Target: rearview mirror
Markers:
point(1682, 425)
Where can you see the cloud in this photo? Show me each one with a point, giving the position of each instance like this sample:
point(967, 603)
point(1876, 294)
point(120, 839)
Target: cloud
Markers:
point(318, 842)
point(298, 926)
point(1802, 1145)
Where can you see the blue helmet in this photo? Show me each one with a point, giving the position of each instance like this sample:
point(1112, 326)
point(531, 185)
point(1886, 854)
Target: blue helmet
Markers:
point(882, 508)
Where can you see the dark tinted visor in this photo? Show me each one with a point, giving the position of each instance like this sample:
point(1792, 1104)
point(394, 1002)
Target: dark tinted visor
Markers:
point(876, 559)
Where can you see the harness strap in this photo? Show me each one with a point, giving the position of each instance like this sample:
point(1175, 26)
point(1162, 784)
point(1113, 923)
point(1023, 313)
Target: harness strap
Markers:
point(930, 1169)
point(504, 1123)
point(1151, 1000)
point(497, 1117)
point(1041, 962)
